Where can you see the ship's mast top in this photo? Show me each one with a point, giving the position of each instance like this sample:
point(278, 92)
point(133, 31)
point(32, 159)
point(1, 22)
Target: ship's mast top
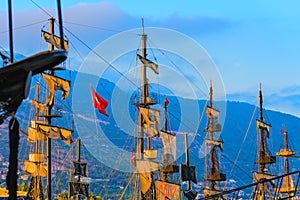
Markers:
point(211, 94)
point(260, 104)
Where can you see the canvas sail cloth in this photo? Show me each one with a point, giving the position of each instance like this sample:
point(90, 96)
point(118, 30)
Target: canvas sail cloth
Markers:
point(34, 135)
point(188, 173)
point(165, 190)
point(34, 170)
point(169, 142)
point(78, 188)
point(257, 176)
point(38, 105)
point(151, 121)
point(210, 142)
point(56, 83)
point(144, 169)
point(287, 185)
point(208, 192)
point(55, 40)
point(263, 125)
point(80, 168)
point(54, 132)
point(212, 113)
point(148, 63)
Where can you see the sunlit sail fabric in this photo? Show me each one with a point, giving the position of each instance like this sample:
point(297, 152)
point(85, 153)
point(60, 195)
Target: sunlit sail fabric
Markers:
point(212, 113)
point(151, 120)
point(169, 142)
point(263, 125)
point(55, 40)
point(56, 83)
point(145, 168)
point(56, 133)
point(39, 106)
point(33, 170)
point(34, 135)
point(165, 190)
point(148, 63)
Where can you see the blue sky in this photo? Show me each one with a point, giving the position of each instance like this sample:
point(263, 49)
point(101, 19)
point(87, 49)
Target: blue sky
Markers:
point(250, 41)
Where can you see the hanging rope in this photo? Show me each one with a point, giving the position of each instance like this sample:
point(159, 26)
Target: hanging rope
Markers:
point(245, 137)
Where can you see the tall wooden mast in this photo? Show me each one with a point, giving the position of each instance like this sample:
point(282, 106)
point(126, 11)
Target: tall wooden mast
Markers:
point(144, 88)
point(264, 159)
point(148, 120)
point(77, 187)
point(10, 24)
point(212, 170)
point(287, 188)
point(48, 120)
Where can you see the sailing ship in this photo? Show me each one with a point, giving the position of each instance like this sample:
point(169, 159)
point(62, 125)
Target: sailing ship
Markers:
point(41, 131)
point(288, 188)
point(213, 146)
point(264, 158)
point(76, 186)
point(15, 85)
point(266, 185)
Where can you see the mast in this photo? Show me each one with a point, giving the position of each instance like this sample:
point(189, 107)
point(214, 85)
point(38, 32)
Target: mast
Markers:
point(187, 159)
point(78, 187)
point(34, 165)
point(148, 120)
point(10, 24)
point(61, 30)
point(143, 86)
point(287, 187)
point(212, 171)
point(262, 151)
point(48, 120)
point(264, 159)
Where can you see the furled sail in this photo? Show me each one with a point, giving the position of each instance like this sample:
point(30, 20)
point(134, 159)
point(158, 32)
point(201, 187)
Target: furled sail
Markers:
point(56, 83)
point(34, 170)
point(263, 125)
point(55, 40)
point(38, 105)
point(34, 135)
point(148, 63)
point(54, 132)
point(257, 176)
point(214, 143)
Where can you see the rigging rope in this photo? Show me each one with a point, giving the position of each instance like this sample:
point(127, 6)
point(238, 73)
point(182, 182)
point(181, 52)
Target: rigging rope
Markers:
point(99, 28)
point(246, 134)
point(24, 26)
point(47, 13)
point(132, 176)
point(178, 68)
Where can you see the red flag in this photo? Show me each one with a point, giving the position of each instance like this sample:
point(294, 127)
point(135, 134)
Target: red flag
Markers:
point(166, 102)
point(99, 102)
point(132, 158)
